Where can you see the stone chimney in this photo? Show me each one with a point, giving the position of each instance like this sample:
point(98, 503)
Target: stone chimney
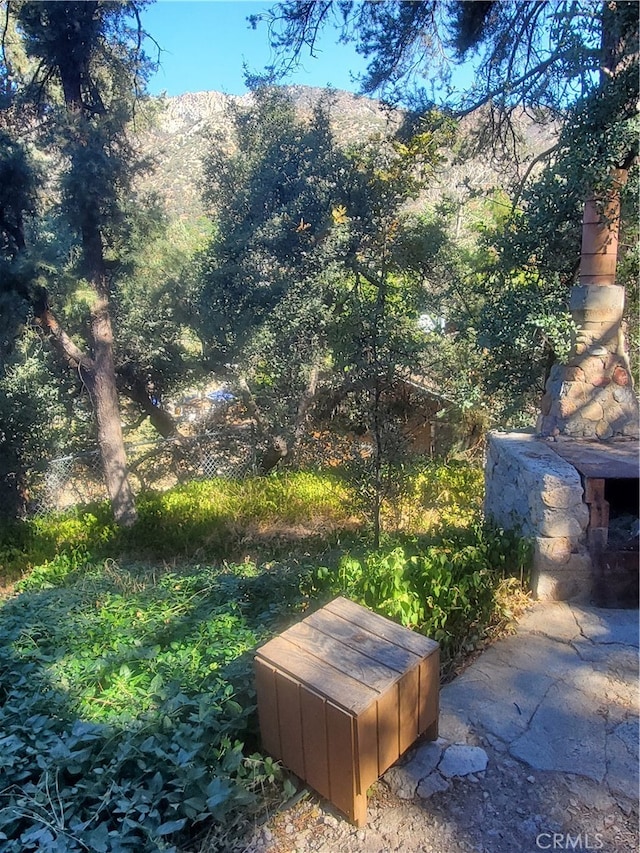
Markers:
point(592, 396)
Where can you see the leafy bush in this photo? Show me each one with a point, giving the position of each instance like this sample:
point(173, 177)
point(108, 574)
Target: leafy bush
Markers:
point(445, 494)
point(454, 591)
point(127, 709)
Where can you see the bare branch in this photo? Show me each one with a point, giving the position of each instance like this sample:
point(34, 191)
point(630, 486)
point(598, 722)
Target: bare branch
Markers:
point(65, 346)
point(538, 159)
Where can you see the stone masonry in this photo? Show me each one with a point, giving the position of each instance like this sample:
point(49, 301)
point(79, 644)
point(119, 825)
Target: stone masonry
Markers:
point(592, 396)
point(531, 489)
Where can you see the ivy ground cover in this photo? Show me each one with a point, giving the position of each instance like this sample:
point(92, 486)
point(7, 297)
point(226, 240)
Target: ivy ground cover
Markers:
point(127, 708)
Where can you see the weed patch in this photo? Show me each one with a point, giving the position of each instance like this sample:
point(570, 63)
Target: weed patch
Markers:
point(455, 591)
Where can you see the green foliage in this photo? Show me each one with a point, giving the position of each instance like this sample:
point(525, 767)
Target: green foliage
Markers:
point(215, 517)
point(449, 493)
point(540, 58)
point(127, 707)
point(452, 591)
point(218, 514)
point(309, 276)
point(574, 63)
point(274, 199)
point(222, 518)
point(153, 306)
point(124, 693)
point(17, 194)
point(34, 416)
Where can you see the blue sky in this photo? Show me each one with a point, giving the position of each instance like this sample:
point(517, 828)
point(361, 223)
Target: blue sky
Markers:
point(206, 42)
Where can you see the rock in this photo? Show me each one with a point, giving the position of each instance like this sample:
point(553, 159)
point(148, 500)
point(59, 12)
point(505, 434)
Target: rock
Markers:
point(461, 760)
point(404, 779)
point(566, 733)
point(426, 758)
point(433, 783)
point(401, 783)
point(528, 827)
point(620, 376)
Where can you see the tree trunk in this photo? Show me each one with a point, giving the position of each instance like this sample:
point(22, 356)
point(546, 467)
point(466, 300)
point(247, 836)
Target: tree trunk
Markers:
point(134, 387)
point(276, 445)
point(98, 375)
point(107, 409)
point(105, 394)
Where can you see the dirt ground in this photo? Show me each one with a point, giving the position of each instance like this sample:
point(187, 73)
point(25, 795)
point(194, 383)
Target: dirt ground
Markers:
point(506, 808)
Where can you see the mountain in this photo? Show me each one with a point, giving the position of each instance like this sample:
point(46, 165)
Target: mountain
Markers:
point(184, 127)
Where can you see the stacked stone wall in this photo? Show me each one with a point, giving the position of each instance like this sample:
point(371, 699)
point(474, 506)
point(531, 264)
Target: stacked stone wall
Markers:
point(531, 489)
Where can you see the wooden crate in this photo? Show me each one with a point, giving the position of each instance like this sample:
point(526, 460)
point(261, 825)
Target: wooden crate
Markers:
point(341, 695)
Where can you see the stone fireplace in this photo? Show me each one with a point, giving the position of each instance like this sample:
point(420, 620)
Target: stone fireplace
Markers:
point(572, 486)
point(591, 395)
point(578, 503)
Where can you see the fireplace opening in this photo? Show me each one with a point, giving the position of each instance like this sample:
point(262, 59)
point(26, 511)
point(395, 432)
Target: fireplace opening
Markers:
point(623, 497)
point(578, 501)
point(616, 556)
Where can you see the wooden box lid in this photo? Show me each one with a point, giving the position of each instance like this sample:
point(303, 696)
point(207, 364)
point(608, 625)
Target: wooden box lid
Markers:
point(346, 653)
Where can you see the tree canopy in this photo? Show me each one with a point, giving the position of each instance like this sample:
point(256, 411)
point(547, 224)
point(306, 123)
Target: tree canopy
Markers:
point(535, 54)
point(311, 249)
point(575, 63)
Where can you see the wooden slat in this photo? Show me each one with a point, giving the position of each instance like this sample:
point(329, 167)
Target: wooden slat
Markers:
point(290, 720)
point(341, 695)
point(388, 730)
point(390, 655)
point(408, 695)
point(359, 816)
point(382, 627)
point(314, 737)
point(316, 674)
point(341, 657)
point(429, 692)
point(340, 749)
point(268, 708)
point(366, 749)
point(594, 491)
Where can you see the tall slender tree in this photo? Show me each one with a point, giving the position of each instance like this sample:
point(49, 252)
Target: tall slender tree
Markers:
point(87, 70)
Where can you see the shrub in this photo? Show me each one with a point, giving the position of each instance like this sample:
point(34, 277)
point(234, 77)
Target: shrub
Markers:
point(454, 591)
point(127, 711)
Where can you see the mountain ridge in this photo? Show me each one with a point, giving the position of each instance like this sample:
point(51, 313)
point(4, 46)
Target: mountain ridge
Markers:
point(186, 124)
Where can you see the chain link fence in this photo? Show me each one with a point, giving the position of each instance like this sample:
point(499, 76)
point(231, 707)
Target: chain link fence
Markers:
point(158, 465)
point(230, 448)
